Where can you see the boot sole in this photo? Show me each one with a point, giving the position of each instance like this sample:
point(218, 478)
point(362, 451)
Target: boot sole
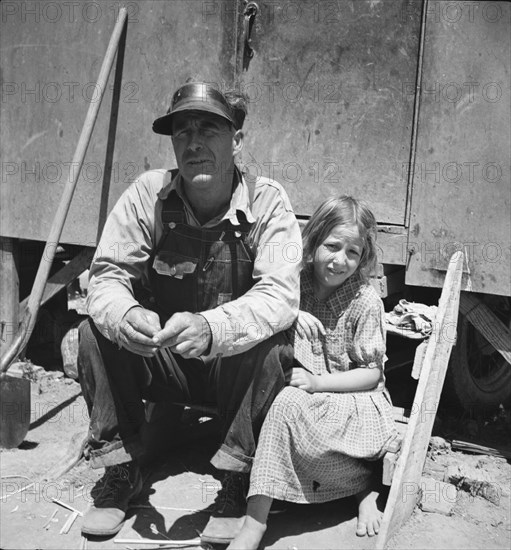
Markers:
point(102, 532)
point(110, 532)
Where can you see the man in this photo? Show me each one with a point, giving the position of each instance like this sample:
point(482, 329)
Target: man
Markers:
point(194, 278)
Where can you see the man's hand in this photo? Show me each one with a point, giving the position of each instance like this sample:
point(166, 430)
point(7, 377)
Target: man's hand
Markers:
point(303, 380)
point(188, 334)
point(308, 326)
point(137, 330)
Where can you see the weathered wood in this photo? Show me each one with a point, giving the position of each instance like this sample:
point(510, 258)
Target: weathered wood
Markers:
point(9, 291)
point(389, 468)
point(405, 490)
point(64, 276)
point(401, 415)
point(401, 418)
point(487, 323)
point(418, 360)
point(468, 447)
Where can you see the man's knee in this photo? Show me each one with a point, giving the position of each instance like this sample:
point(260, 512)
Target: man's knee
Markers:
point(271, 359)
point(278, 349)
point(86, 337)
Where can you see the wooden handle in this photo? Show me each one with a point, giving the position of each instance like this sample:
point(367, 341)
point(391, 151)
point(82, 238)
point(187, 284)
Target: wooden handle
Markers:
point(34, 301)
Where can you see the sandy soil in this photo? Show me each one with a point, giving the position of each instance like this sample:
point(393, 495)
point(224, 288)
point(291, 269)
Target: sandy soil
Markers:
point(175, 496)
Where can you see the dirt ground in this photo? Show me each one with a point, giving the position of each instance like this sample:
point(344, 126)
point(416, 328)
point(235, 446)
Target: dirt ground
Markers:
point(178, 490)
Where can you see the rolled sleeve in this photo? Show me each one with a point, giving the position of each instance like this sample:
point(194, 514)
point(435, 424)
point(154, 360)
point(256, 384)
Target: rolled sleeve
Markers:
point(122, 255)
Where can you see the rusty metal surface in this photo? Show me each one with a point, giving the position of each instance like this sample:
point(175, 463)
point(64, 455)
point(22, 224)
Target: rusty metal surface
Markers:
point(51, 53)
point(461, 191)
point(328, 112)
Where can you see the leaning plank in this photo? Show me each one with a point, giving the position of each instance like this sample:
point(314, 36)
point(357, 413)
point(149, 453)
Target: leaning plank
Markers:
point(405, 490)
point(64, 276)
point(487, 323)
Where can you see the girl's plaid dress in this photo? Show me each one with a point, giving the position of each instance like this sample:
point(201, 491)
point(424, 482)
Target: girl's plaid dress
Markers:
point(315, 447)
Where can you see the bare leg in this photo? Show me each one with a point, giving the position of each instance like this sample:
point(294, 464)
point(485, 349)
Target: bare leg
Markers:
point(369, 517)
point(254, 527)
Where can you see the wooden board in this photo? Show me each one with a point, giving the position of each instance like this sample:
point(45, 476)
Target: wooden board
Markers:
point(63, 277)
point(461, 192)
point(328, 111)
point(405, 489)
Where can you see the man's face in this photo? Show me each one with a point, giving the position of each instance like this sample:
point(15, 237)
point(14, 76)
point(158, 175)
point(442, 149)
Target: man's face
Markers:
point(204, 145)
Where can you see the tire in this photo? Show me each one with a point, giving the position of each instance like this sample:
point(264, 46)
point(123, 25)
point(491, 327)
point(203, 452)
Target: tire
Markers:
point(478, 379)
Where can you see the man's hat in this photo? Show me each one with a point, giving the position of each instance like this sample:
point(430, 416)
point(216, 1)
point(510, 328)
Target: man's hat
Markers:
point(196, 96)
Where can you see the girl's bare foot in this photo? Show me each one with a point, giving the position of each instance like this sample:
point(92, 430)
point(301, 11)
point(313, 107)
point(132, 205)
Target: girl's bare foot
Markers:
point(369, 517)
point(250, 535)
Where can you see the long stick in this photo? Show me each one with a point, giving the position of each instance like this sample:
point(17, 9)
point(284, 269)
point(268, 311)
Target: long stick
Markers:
point(28, 322)
point(159, 542)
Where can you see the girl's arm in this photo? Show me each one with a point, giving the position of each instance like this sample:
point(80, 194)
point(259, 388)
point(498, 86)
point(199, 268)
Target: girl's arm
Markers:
point(367, 350)
point(359, 379)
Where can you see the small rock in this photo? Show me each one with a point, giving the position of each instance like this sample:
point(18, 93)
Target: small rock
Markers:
point(69, 352)
point(474, 481)
point(437, 443)
point(23, 369)
point(436, 496)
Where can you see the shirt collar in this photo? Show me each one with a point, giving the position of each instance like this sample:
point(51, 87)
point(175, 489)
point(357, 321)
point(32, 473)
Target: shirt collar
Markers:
point(339, 300)
point(240, 199)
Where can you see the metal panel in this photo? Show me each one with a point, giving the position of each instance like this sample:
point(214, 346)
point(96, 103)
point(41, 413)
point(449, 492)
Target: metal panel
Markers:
point(461, 191)
point(51, 53)
point(328, 112)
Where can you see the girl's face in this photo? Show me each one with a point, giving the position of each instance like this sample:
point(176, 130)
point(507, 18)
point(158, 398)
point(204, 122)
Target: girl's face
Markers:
point(337, 258)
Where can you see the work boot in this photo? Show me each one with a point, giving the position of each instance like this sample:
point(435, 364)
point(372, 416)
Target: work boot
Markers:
point(231, 501)
point(112, 494)
point(229, 509)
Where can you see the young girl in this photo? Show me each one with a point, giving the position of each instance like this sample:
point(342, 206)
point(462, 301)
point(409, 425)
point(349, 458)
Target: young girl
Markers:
point(336, 414)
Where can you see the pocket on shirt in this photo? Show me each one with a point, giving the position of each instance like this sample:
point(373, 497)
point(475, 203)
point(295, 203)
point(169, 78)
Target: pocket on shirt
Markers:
point(175, 265)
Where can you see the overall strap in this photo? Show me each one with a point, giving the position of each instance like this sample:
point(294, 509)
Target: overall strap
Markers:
point(173, 209)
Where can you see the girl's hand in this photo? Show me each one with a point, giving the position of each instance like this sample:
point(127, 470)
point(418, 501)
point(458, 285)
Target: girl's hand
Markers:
point(303, 380)
point(308, 326)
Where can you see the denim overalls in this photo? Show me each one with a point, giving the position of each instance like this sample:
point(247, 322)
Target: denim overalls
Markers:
point(195, 268)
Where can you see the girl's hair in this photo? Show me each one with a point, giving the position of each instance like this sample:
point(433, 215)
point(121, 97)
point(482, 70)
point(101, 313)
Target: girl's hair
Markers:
point(344, 210)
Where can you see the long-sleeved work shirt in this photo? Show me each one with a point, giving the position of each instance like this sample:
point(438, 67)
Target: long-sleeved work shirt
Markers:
point(134, 228)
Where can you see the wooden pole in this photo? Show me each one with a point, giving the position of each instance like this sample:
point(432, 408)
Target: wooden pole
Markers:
point(9, 291)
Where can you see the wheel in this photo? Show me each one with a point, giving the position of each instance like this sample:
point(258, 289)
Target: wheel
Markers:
point(478, 378)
